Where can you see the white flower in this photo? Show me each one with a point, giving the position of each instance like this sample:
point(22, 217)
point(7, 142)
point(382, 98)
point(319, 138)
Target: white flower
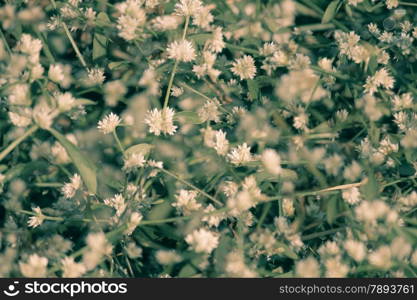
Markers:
point(99, 243)
point(186, 201)
point(109, 123)
point(30, 46)
point(381, 258)
point(65, 101)
point(188, 7)
point(352, 195)
point(177, 91)
point(181, 50)
point(210, 111)
point(212, 220)
point(35, 267)
point(221, 144)
point(335, 268)
point(21, 118)
point(167, 257)
point(271, 161)
point(203, 17)
point(133, 222)
point(43, 116)
point(72, 269)
point(56, 73)
point(381, 79)
point(95, 76)
point(161, 121)
point(355, 249)
point(156, 164)
point(19, 94)
point(118, 203)
point(129, 26)
point(236, 267)
point(113, 91)
point(392, 3)
point(240, 155)
point(37, 219)
point(133, 161)
point(244, 67)
point(203, 240)
point(70, 188)
point(307, 268)
point(98, 246)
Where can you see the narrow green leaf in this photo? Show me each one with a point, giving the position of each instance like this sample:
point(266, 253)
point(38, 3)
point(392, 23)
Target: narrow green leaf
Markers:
point(330, 12)
point(189, 117)
point(84, 101)
point(143, 149)
point(331, 210)
point(86, 168)
point(253, 88)
point(100, 40)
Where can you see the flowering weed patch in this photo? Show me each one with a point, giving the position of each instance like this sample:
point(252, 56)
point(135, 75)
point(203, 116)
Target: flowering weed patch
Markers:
point(191, 138)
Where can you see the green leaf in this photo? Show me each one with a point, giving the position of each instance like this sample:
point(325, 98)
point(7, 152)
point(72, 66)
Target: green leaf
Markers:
point(331, 210)
point(160, 211)
point(84, 101)
point(330, 12)
point(143, 149)
point(86, 168)
point(287, 251)
point(373, 64)
point(100, 40)
point(116, 65)
point(253, 88)
point(189, 117)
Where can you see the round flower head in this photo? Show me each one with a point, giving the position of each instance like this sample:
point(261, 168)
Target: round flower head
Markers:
point(188, 7)
point(202, 240)
point(109, 123)
point(244, 67)
point(181, 51)
point(161, 121)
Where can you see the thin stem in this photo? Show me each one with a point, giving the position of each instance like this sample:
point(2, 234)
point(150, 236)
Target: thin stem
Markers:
point(16, 142)
point(323, 191)
point(320, 234)
point(5, 42)
point(45, 47)
point(26, 212)
point(177, 219)
point(119, 144)
point(74, 45)
point(174, 69)
point(408, 4)
point(48, 184)
point(171, 80)
point(194, 91)
point(192, 186)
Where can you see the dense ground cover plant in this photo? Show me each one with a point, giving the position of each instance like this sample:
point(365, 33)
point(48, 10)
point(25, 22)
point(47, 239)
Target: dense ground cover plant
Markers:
point(236, 138)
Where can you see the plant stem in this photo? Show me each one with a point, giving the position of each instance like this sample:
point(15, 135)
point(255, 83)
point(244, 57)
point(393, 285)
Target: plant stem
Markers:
point(5, 42)
point(320, 234)
point(174, 69)
point(322, 191)
point(192, 186)
point(45, 47)
point(16, 142)
point(408, 4)
point(194, 91)
point(176, 219)
point(73, 43)
point(119, 144)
